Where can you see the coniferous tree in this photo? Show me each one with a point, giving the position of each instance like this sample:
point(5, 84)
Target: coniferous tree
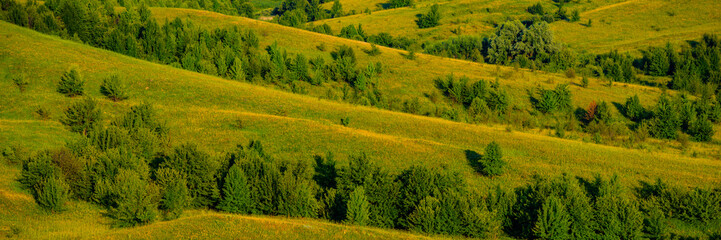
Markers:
point(357, 210)
point(553, 221)
point(236, 194)
point(135, 203)
point(492, 163)
point(236, 71)
point(666, 122)
point(114, 89)
point(71, 83)
point(174, 195)
point(82, 116)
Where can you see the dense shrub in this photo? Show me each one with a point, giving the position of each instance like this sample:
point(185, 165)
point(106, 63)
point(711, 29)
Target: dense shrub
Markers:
point(51, 193)
point(558, 99)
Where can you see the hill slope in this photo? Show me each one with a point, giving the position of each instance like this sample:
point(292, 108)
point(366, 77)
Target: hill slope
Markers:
point(206, 109)
point(621, 25)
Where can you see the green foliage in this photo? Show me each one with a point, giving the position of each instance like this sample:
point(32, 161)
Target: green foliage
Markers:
point(336, 10)
point(373, 51)
point(52, 193)
point(431, 19)
point(513, 40)
point(358, 208)
point(634, 110)
point(584, 82)
point(536, 9)
point(492, 163)
point(665, 123)
point(82, 116)
point(400, 3)
point(71, 83)
point(558, 99)
point(553, 222)
point(423, 219)
point(135, 202)
point(174, 192)
point(701, 130)
point(198, 168)
point(618, 217)
point(655, 224)
point(236, 197)
point(21, 82)
point(114, 89)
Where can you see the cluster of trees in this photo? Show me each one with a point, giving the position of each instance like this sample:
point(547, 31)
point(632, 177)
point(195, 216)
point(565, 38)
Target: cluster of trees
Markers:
point(296, 13)
point(531, 46)
point(541, 14)
point(695, 68)
point(230, 7)
point(480, 99)
point(671, 116)
point(431, 19)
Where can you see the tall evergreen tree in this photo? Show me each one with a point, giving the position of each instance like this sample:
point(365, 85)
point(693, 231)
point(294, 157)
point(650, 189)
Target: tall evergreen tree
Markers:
point(236, 194)
point(357, 210)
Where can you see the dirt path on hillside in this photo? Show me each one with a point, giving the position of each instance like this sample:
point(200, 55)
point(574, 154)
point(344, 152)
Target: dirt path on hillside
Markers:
point(610, 6)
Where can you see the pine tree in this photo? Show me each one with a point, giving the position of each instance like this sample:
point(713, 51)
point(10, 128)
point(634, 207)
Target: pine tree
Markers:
point(236, 71)
point(71, 83)
point(492, 163)
point(553, 221)
point(357, 208)
point(114, 89)
point(82, 116)
point(174, 192)
point(135, 202)
point(236, 194)
point(666, 122)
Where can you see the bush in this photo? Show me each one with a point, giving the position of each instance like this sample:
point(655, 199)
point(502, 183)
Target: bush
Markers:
point(492, 163)
point(21, 81)
point(701, 130)
point(373, 51)
point(558, 99)
point(37, 169)
point(584, 82)
point(357, 208)
point(82, 116)
point(52, 193)
point(71, 83)
point(570, 73)
point(114, 89)
point(236, 198)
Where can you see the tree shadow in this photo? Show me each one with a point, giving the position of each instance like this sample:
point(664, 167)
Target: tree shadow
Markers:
point(620, 107)
point(472, 157)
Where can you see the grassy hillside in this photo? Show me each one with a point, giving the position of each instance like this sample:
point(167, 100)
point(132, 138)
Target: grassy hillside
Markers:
point(621, 25)
point(406, 79)
point(206, 109)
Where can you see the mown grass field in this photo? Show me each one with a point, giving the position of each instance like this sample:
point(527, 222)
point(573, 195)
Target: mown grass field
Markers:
point(620, 25)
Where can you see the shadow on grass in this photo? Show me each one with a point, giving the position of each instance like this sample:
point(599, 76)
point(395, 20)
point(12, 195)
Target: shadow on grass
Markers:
point(473, 157)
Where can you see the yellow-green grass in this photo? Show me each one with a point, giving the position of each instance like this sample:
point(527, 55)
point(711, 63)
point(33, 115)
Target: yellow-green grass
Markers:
point(20, 217)
point(405, 79)
point(636, 24)
point(203, 109)
point(621, 25)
